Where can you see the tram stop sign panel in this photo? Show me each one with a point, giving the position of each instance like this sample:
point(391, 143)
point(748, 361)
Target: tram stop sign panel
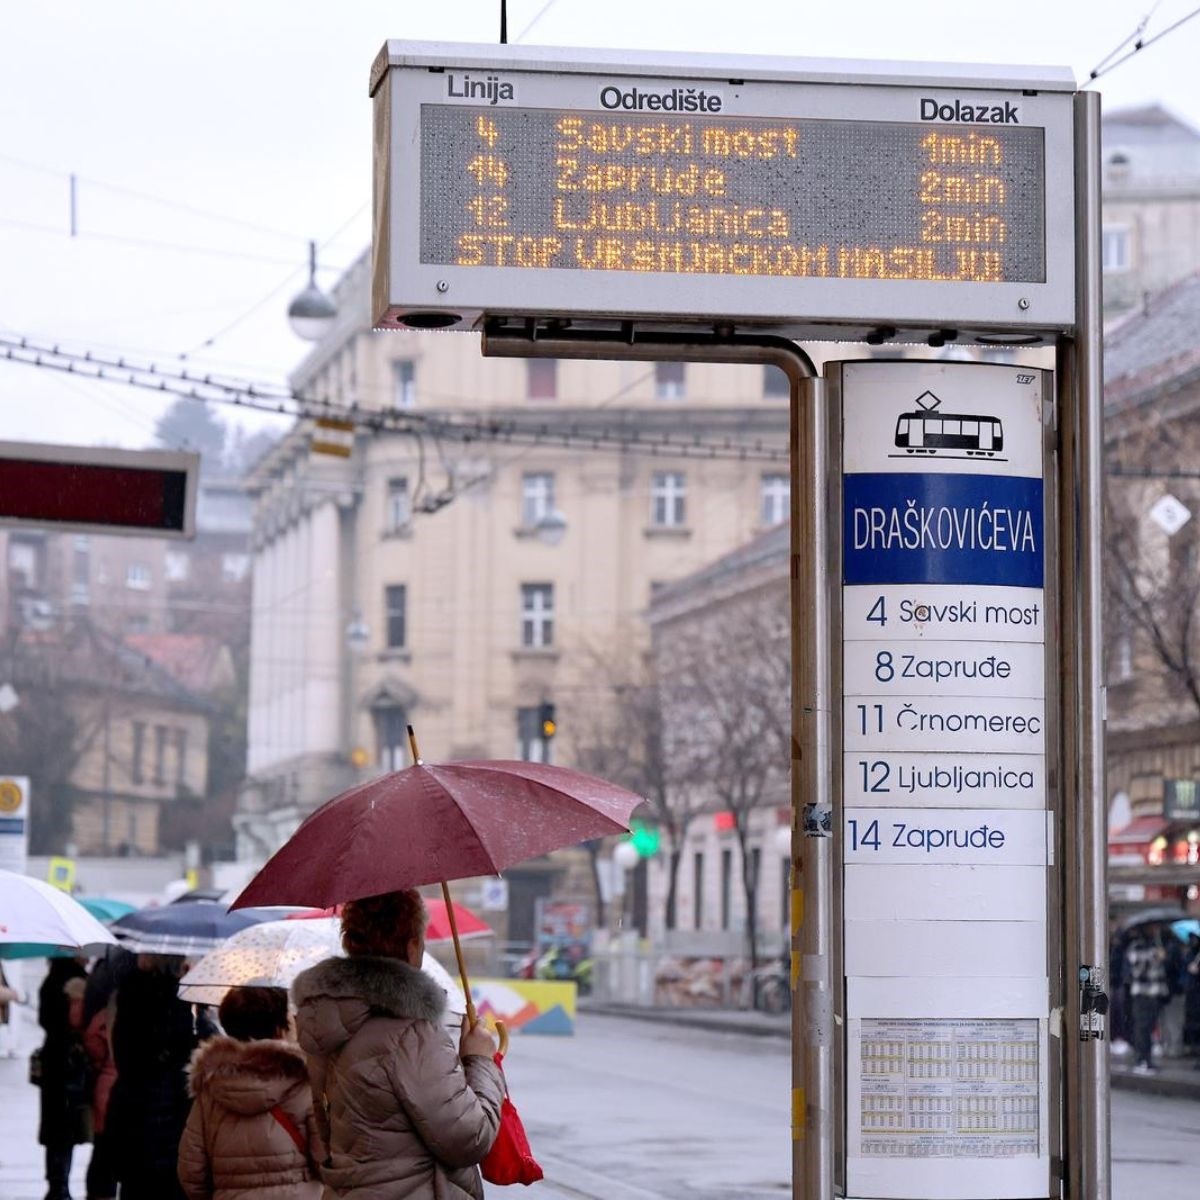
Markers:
point(778, 194)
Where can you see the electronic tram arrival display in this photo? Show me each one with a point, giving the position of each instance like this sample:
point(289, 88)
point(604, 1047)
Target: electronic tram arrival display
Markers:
point(799, 196)
point(691, 194)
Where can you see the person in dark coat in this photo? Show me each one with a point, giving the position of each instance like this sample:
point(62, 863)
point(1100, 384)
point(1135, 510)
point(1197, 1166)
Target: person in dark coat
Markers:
point(65, 1109)
point(153, 1036)
point(1191, 995)
point(1146, 961)
point(98, 1006)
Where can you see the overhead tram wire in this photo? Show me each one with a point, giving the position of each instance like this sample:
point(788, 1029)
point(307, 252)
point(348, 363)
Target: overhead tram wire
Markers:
point(275, 399)
point(283, 283)
point(177, 205)
point(1140, 44)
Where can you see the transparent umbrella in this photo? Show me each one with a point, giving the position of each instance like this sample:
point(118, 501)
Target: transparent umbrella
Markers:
point(274, 953)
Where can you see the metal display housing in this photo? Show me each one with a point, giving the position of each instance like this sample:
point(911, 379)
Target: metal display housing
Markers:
point(173, 471)
point(410, 293)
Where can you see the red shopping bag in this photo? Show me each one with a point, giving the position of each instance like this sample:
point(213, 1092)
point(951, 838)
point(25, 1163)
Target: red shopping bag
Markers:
point(510, 1160)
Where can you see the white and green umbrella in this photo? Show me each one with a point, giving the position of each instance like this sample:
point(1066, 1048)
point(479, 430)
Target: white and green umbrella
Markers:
point(35, 914)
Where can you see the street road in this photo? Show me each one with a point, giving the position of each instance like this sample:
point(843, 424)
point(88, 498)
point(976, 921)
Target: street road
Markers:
point(628, 1110)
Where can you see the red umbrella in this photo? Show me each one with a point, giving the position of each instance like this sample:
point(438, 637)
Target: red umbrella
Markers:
point(465, 921)
point(430, 824)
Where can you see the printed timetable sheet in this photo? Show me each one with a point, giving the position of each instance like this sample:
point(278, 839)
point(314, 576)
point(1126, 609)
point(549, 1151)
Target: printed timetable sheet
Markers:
point(948, 1088)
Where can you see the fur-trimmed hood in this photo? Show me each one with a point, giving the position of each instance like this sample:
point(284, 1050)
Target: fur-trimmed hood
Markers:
point(335, 998)
point(246, 1077)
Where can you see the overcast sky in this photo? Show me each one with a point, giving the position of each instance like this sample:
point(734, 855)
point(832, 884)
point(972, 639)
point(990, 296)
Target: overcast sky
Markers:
point(250, 118)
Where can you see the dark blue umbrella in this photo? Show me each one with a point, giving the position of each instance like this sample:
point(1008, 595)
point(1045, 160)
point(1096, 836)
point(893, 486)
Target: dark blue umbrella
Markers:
point(184, 929)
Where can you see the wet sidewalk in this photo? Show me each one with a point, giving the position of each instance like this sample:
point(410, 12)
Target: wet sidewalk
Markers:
point(1173, 1077)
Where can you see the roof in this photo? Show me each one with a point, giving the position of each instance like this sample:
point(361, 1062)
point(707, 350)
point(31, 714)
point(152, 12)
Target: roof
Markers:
point(1146, 123)
point(1140, 831)
point(89, 657)
point(771, 547)
point(1158, 343)
point(198, 662)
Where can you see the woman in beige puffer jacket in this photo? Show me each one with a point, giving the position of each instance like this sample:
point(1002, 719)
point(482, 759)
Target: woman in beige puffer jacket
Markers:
point(406, 1114)
point(249, 1133)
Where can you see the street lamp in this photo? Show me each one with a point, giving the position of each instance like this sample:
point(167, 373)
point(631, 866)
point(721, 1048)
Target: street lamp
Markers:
point(625, 855)
point(311, 313)
point(550, 527)
point(358, 633)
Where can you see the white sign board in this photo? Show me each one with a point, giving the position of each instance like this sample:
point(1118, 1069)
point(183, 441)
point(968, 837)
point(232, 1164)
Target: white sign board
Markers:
point(947, 844)
point(14, 823)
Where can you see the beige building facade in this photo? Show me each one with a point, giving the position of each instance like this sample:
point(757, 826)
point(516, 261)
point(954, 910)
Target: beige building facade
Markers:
point(461, 585)
point(1151, 203)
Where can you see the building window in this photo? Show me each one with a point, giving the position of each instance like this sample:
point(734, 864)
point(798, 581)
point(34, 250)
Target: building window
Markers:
point(180, 757)
point(776, 385)
point(1122, 658)
point(1114, 248)
point(726, 888)
point(175, 566)
point(234, 567)
point(404, 376)
point(698, 890)
point(160, 754)
point(537, 614)
point(537, 496)
point(399, 504)
point(776, 498)
point(391, 736)
point(395, 616)
point(669, 380)
point(531, 746)
point(542, 378)
point(135, 755)
point(26, 560)
point(138, 577)
point(668, 499)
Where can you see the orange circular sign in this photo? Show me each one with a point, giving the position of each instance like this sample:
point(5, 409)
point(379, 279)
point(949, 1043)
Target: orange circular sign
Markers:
point(10, 796)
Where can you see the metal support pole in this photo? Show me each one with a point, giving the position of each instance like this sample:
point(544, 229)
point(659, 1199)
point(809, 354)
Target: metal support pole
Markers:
point(812, 770)
point(812, 781)
point(1086, 1090)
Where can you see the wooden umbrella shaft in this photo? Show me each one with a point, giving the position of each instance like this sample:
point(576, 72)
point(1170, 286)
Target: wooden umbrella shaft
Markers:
point(472, 1015)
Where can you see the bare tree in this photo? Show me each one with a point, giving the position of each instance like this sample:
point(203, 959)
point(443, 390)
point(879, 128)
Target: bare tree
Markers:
point(1152, 569)
point(726, 683)
point(45, 734)
point(620, 738)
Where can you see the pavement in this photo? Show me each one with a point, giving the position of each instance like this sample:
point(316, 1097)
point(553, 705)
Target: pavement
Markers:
point(21, 1166)
point(1172, 1077)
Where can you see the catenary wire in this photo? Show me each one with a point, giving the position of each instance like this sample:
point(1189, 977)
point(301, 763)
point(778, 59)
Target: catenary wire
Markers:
point(272, 398)
point(1141, 44)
